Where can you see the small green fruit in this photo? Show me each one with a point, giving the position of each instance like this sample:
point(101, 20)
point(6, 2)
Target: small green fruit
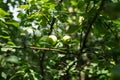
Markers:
point(66, 39)
point(52, 39)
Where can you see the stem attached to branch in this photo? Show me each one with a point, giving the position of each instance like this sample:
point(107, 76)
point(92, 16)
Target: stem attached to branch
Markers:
point(51, 25)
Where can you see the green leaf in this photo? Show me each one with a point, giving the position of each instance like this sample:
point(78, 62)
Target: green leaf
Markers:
point(12, 59)
point(3, 13)
point(116, 70)
point(6, 49)
point(14, 23)
point(10, 43)
point(116, 22)
point(99, 28)
point(74, 3)
point(2, 19)
point(21, 15)
point(23, 6)
point(33, 74)
point(35, 14)
point(4, 37)
point(4, 75)
point(2, 24)
point(73, 28)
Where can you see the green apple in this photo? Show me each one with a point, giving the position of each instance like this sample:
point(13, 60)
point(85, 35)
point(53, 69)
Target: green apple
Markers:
point(66, 39)
point(52, 39)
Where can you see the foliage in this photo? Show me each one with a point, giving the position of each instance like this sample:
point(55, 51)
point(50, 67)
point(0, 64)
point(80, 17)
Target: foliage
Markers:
point(91, 53)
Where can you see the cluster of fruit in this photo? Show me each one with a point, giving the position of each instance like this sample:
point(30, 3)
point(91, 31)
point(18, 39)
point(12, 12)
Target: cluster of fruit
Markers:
point(53, 39)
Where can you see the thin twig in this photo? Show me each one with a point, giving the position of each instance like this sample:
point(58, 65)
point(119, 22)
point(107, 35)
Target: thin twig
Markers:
point(49, 49)
point(35, 48)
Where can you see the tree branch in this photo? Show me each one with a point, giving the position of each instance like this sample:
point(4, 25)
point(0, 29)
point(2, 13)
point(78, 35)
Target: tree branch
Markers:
point(42, 57)
point(91, 22)
point(80, 61)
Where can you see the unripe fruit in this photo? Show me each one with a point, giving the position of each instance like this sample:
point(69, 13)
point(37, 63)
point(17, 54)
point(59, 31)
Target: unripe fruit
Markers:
point(52, 39)
point(66, 39)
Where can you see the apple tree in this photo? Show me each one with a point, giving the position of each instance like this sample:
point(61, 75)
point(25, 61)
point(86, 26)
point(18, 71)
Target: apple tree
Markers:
point(59, 39)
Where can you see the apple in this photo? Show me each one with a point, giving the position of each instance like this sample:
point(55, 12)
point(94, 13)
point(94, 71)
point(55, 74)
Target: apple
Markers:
point(52, 39)
point(66, 39)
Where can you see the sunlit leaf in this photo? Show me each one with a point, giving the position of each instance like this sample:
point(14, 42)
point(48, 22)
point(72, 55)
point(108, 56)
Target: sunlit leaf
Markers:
point(12, 59)
point(14, 23)
point(24, 6)
point(116, 22)
point(5, 37)
point(10, 43)
point(7, 48)
point(3, 13)
point(4, 75)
